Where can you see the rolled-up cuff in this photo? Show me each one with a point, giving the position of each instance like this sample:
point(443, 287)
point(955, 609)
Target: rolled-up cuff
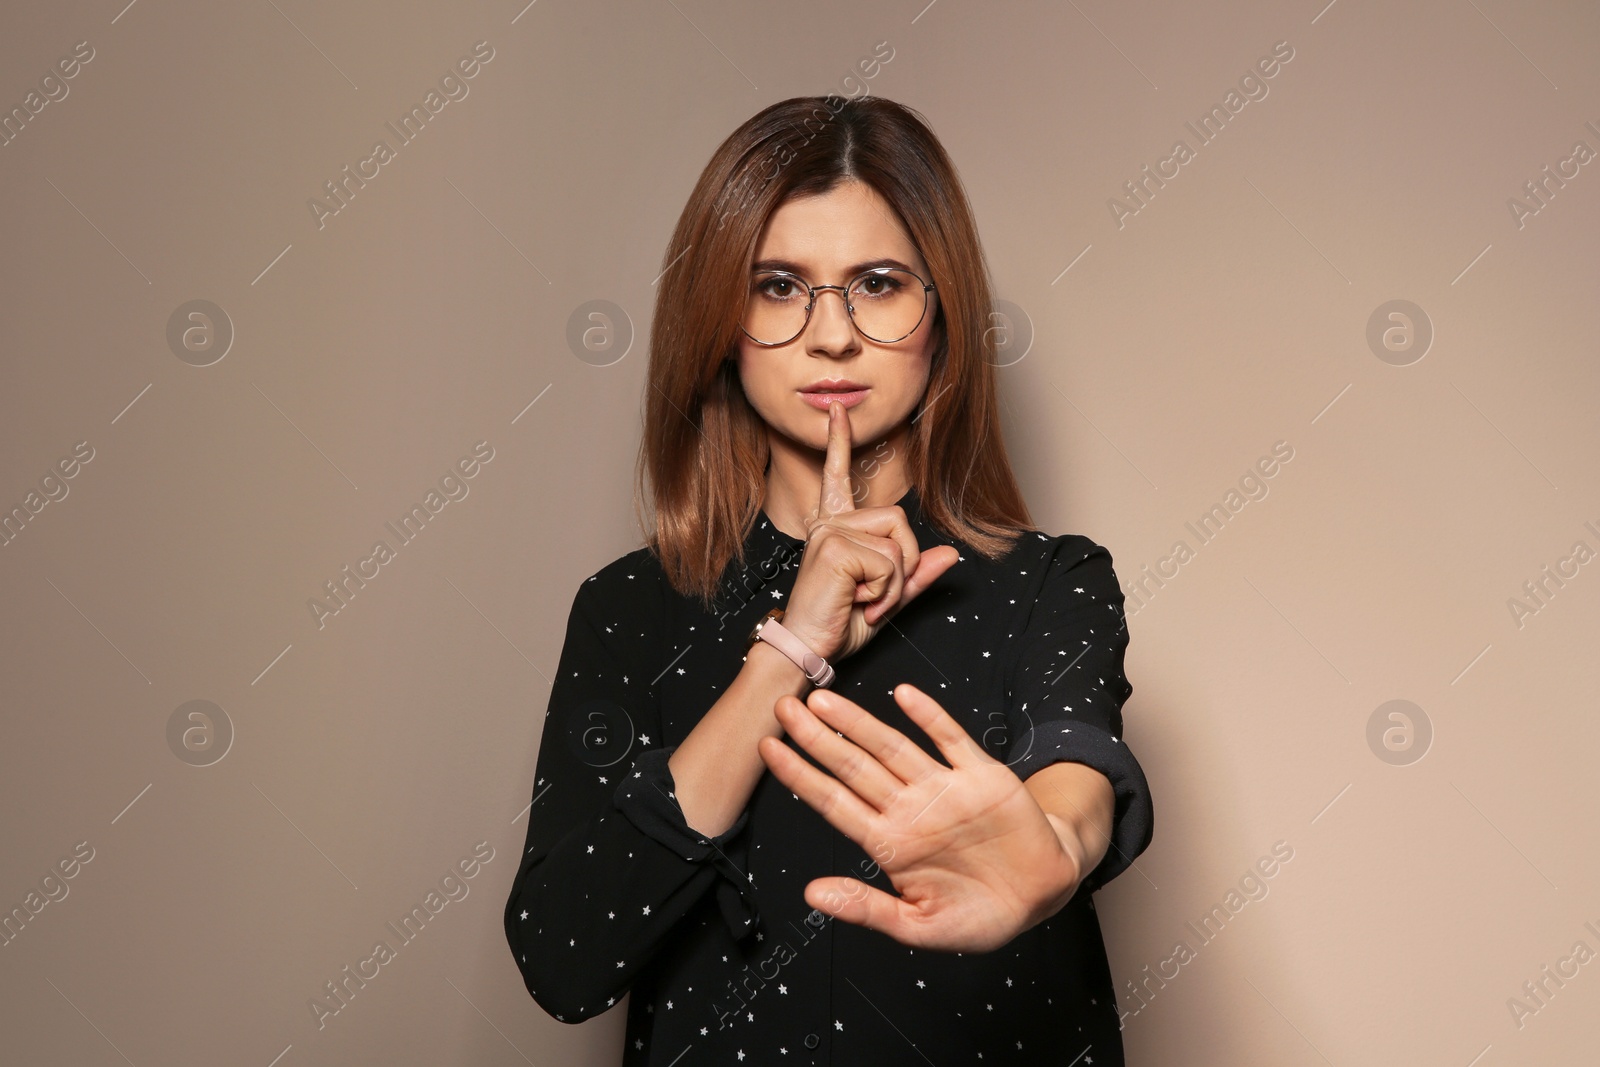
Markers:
point(646, 797)
point(1069, 741)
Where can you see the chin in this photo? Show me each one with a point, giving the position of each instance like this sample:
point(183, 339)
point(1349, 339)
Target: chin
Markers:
point(863, 433)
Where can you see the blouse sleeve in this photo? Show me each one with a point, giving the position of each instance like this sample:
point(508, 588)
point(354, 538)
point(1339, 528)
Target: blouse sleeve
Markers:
point(1066, 690)
point(610, 867)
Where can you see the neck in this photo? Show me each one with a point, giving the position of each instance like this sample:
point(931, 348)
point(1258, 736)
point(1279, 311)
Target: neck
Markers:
point(880, 474)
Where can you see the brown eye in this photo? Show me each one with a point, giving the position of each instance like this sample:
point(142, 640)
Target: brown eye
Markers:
point(779, 287)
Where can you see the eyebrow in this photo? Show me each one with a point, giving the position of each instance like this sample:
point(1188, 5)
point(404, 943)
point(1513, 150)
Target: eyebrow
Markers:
point(794, 268)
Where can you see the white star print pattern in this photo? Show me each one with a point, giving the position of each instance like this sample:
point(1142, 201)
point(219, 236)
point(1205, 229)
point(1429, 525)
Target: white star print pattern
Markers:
point(1025, 651)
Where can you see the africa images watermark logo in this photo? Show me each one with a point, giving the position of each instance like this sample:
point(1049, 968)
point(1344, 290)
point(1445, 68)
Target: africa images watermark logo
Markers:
point(1253, 486)
point(1251, 888)
point(453, 886)
point(410, 526)
point(1142, 190)
point(453, 87)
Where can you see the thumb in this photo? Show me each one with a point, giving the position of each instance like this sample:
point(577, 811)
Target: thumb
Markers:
point(854, 901)
point(930, 565)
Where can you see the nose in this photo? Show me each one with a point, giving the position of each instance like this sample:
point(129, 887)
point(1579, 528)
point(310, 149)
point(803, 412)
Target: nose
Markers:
point(830, 331)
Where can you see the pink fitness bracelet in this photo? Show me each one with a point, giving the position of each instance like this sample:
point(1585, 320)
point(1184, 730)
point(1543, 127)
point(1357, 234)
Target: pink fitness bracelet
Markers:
point(770, 629)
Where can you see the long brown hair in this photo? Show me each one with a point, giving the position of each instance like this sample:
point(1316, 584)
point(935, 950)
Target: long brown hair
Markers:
point(704, 448)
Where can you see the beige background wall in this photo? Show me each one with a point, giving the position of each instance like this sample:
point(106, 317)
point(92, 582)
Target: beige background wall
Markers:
point(359, 761)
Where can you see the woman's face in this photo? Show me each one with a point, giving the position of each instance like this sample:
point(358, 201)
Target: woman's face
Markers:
point(828, 240)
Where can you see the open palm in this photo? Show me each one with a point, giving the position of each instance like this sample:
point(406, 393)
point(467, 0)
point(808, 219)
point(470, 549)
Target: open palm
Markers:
point(973, 857)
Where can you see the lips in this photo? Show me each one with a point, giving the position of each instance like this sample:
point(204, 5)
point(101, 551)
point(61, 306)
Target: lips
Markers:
point(822, 394)
point(834, 385)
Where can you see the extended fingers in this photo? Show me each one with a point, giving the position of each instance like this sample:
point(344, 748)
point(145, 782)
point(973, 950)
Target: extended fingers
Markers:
point(856, 768)
point(882, 743)
point(953, 740)
point(829, 797)
point(836, 495)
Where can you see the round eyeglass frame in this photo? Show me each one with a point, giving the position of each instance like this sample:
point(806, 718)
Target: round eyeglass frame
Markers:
point(844, 294)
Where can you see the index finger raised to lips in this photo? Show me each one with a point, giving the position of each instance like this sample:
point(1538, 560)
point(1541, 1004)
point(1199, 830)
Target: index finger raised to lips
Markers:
point(836, 496)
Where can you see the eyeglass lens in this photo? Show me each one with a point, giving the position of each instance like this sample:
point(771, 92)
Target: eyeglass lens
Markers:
point(886, 304)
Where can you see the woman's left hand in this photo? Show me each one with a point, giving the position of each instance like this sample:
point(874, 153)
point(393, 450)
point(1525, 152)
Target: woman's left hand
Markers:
point(974, 858)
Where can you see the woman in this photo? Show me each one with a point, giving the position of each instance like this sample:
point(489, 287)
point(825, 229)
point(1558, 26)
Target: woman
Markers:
point(824, 456)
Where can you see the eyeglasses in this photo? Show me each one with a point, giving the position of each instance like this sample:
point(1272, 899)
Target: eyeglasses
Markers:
point(886, 304)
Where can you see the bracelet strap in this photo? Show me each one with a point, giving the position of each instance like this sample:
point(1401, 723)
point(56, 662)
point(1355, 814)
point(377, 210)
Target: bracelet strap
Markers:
point(817, 670)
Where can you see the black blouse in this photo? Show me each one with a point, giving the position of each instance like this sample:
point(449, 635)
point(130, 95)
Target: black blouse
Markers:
point(726, 962)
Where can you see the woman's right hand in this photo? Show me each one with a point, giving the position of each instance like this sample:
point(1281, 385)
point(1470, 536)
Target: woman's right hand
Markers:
point(861, 566)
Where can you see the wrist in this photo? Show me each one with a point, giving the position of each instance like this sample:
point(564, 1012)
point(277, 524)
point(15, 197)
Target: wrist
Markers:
point(1062, 877)
point(1067, 835)
point(769, 629)
point(774, 669)
point(818, 643)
